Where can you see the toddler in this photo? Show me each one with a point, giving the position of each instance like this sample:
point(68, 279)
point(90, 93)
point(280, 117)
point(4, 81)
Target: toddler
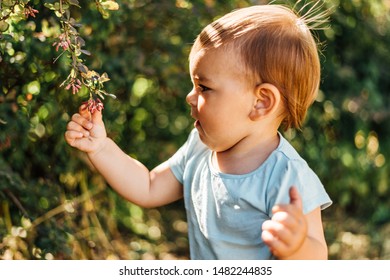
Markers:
point(247, 192)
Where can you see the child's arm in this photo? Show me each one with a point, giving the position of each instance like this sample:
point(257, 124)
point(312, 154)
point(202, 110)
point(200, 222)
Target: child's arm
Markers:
point(127, 176)
point(292, 235)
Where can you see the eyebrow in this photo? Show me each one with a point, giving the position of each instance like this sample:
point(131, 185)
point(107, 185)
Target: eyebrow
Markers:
point(201, 78)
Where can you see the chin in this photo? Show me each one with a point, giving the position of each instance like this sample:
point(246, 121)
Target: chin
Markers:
point(212, 146)
point(206, 141)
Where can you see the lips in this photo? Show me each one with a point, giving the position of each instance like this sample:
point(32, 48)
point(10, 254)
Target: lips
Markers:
point(196, 123)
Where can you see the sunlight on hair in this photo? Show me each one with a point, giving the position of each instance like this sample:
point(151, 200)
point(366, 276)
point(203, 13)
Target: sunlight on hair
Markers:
point(312, 14)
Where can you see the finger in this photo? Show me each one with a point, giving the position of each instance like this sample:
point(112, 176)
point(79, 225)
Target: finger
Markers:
point(278, 231)
point(278, 248)
point(72, 134)
point(81, 143)
point(73, 138)
point(295, 198)
point(275, 245)
point(97, 117)
point(84, 112)
point(81, 120)
point(291, 217)
point(268, 238)
point(285, 219)
point(73, 126)
point(289, 210)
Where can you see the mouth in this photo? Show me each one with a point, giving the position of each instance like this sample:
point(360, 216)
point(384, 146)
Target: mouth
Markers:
point(198, 125)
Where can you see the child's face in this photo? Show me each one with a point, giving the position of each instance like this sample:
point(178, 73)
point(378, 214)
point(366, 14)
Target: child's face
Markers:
point(221, 99)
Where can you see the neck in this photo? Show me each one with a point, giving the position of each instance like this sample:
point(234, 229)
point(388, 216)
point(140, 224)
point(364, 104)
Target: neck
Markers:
point(247, 155)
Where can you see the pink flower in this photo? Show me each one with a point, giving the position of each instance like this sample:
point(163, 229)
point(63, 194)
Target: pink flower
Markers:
point(63, 42)
point(29, 11)
point(75, 84)
point(94, 105)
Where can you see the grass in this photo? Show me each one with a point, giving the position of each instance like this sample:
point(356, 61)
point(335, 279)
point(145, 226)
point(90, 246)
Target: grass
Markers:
point(350, 238)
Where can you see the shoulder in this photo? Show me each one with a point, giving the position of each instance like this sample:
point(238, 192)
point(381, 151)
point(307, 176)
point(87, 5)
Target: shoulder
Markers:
point(287, 156)
point(287, 150)
point(293, 170)
point(188, 155)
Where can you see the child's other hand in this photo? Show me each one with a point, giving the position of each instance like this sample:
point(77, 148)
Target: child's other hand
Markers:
point(86, 132)
point(285, 233)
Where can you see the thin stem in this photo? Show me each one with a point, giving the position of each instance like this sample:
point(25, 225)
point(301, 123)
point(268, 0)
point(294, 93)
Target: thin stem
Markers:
point(62, 208)
point(16, 201)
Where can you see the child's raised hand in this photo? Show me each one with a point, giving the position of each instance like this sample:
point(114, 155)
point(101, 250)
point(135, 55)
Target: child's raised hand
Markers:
point(86, 131)
point(285, 233)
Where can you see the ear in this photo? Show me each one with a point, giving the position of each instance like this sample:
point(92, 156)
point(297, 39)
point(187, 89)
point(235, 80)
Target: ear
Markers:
point(267, 101)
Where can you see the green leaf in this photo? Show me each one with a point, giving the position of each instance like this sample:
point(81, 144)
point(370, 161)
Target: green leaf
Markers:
point(104, 78)
point(74, 3)
point(82, 68)
point(85, 52)
point(8, 3)
point(49, 6)
point(3, 26)
point(110, 5)
point(102, 11)
point(80, 41)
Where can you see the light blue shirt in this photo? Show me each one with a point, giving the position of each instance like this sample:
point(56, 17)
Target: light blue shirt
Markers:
point(225, 212)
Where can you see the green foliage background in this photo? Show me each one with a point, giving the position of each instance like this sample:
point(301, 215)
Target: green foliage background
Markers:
point(54, 206)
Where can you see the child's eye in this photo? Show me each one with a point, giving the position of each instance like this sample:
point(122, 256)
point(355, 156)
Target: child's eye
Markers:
point(203, 88)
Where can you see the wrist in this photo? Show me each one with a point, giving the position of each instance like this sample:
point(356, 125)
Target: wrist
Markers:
point(100, 147)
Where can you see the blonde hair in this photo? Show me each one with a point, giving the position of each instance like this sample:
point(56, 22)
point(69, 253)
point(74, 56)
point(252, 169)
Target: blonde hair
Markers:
point(276, 47)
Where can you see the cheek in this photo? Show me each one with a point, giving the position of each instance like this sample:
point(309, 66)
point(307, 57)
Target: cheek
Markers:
point(204, 107)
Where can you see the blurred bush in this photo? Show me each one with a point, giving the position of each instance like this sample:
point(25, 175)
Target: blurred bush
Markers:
point(54, 206)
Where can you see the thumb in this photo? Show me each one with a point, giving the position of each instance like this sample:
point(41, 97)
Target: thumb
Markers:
point(97, 117)
point(84, 112)
point(295, 198)
point(92, 110)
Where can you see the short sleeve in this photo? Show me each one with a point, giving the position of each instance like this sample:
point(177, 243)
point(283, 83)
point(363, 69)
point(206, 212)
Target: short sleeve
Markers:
point(177, 162)
point(309, 186)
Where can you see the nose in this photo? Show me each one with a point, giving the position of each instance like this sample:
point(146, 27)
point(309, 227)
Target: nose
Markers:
point(192, 98)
